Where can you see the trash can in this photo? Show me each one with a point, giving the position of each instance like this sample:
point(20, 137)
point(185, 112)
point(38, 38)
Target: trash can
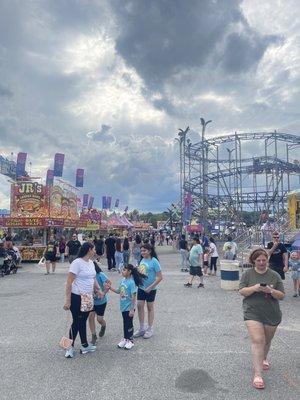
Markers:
point(230, 274)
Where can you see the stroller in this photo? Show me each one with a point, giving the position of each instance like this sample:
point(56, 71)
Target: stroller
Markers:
point(9, 263)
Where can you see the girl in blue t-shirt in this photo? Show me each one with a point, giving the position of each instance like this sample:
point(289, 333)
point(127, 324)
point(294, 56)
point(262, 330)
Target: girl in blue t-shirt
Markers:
point(149, 265)
point(294, 265)
point(127, 290)
point(99, 304)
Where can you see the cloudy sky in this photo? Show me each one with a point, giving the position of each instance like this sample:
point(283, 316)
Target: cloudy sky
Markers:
point(109, 82)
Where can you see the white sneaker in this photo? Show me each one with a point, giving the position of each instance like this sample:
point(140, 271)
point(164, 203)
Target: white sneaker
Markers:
point(139, 332)
point(89, 349)
point(148, 333)
point(122, 344)
point(129, 345)
point(70, 353)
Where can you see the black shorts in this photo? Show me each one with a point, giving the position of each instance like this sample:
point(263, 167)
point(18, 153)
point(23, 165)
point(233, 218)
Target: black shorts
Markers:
point(50, 257)
point(205, 263)
point(100, 309)
point(148, 297)
point(196, 271)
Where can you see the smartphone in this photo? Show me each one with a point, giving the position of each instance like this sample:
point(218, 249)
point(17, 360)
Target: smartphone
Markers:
point(263, 284)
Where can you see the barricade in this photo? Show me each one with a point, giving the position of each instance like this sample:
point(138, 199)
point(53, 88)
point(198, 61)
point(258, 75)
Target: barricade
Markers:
point(230, 274)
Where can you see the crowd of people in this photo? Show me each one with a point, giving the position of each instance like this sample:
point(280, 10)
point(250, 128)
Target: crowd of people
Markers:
point(88, 287)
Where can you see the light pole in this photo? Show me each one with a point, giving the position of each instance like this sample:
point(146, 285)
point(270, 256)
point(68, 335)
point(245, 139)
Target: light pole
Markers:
point(182, 140)
point(204, 172)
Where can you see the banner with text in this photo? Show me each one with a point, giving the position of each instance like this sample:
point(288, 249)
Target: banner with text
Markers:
point(21, 162)
point(85, 200)
point(59, 164)
point(108, 202)
point(50, 177)
point(91, 202)
point(79, 177)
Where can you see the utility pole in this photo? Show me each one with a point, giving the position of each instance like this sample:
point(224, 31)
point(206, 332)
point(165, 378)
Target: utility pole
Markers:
point(182, 142)
point(204, 173)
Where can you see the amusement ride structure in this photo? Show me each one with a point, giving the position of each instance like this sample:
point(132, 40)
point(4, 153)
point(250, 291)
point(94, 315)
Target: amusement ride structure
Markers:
point(226, 175)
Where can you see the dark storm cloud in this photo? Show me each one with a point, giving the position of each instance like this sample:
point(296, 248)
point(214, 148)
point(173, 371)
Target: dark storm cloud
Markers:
point(243, 51)
point(161, 39)
point(186, 58)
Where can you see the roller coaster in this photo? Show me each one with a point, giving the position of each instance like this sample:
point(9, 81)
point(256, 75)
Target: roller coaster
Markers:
point(226, 175)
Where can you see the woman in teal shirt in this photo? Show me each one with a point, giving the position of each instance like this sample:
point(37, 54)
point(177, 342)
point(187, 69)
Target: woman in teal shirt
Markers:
point(150, 267)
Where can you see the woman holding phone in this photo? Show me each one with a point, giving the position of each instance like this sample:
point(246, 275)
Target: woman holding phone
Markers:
point(261, 288)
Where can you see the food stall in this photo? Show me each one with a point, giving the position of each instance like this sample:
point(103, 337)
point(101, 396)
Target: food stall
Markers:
point(90, 222)
point(36, 212)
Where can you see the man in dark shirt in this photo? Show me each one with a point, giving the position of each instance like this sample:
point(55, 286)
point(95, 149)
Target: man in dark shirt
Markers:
point(72, 248)
point(110, 244)
point(99, 246)
point(278, 260)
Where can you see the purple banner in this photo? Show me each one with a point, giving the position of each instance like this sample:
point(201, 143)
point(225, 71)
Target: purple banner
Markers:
point(108, 202)
point(91, 202)
point(187, 212)
point(104, 203)
point(50, 177)
point(117, 203)
point(21, 162)
point(59, 164)
point(85, 200)
point(79, 177)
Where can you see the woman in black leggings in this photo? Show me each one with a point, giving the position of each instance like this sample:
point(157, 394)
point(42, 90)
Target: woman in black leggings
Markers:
point(81, 280)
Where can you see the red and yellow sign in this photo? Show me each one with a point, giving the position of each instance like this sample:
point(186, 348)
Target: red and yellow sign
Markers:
point(29, 199)
point(63, 203)
point(11, 222)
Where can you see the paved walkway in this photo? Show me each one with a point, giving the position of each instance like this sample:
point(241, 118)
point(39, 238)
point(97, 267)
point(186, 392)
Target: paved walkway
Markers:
point(200, 349)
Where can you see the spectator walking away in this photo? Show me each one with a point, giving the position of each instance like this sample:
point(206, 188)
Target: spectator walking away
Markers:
point(214, 255)
point(80, 288)
point(110, 245)
point(99, 304)
point(99, 246)
point(278, 255)
point(184, 253)
point(119, 255)
point(72, 248)
point(50, 254)
point(126, 251)
point(261, 288)
point(196, 255)
point(62, 249)
point(230, 249)
point(127, 290)
point(204, 242)
point(294, 265)
point(150, 267)
point(136, 250)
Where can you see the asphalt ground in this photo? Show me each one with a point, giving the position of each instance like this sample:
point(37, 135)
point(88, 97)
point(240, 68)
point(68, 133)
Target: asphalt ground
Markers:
point(200, 349)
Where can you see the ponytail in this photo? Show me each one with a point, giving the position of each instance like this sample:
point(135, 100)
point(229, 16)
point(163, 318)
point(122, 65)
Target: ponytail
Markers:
point(137, 276)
